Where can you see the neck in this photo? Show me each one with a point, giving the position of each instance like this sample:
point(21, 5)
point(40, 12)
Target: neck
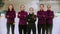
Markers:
point(10, 10)
point(41, 10)
point(22, 10)
point(49, 9)
point(30, 13)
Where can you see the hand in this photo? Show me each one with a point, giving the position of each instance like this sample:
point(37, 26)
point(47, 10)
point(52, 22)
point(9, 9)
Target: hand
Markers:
point(13, 23)
point(51, 16)
point(7, 16)
point(43, 15)
point(24, 15)
point(28, 19)
point(19, 14)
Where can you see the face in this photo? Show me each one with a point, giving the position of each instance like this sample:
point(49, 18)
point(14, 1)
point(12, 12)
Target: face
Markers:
point(48, 7)
point(31, 10)
point(10, 7)
point(41, 7)
point(22, 7)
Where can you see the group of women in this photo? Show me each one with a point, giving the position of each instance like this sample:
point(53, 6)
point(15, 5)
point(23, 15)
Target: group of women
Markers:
point(27, 21)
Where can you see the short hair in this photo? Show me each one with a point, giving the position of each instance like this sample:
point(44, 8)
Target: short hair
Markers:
point(22, 5)
point(42, 5)
point(31, 8)
point(48, 5)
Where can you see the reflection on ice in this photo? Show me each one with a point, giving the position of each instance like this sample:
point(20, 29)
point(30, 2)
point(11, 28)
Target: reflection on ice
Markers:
point(56, 25)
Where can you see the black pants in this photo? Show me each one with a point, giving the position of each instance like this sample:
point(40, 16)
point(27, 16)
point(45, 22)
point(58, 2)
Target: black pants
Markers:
point(8, 28)
point(49, 28)
point(22, 27)
point(31, 27)
point(41, 26)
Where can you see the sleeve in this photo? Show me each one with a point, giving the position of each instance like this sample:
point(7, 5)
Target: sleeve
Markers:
point(35, 18)
point(44, 16)
point(38, 15)
point(14, 14)
point(20, 16)
point(28, 19)
point(48, 15)
point(25, 16)
point(52, 15)
point(6, 15)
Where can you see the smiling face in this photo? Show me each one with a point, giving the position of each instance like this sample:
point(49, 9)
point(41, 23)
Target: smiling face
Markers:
point(10, 7)
point(31, 10)
point(22, 7)
point(41, 6)
point(48, 7)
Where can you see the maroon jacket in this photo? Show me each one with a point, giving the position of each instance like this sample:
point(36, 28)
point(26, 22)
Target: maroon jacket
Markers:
point(49, 16)
point(10, 15)
point(22, 15)
point(41, 17)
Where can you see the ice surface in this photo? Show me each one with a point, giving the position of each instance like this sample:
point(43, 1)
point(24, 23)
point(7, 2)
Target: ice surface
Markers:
point(56, 25)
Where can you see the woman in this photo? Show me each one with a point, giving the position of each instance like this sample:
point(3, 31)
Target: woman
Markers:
point(22, 15)
point(10, 16)
point(41, 19)
point(49, 19)
point(31, 21)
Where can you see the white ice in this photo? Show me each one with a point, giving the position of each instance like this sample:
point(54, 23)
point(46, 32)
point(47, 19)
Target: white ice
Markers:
point(56, 26)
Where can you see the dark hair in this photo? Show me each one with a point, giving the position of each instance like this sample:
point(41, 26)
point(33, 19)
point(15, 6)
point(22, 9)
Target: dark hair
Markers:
point(12, 7)
point(42, 5)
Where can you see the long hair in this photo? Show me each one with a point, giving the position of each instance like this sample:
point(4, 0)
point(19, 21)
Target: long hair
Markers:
point(12, 7)
point(33, 16)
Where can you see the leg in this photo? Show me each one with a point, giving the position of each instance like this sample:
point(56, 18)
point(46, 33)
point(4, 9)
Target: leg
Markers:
point(29, 29)
point(12, 28)
point(20, 29)
point(47, 31)
point(34, 29)
point(24, 29)
point(39, 29)
point(47, 28)
point(43, 29)
point(8, 28)
point(50, 29)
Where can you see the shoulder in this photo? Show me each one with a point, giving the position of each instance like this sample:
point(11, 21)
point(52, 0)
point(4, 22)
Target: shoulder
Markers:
point(38, 12)
point(19, 12)
point(14, 11)
point(28, 15)
point(52, 11)
point(34, 15)
point(7, 11)
point(45, 11)
point(25, 11)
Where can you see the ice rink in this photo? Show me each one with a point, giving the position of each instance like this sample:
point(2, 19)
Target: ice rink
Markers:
point(56, 25)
